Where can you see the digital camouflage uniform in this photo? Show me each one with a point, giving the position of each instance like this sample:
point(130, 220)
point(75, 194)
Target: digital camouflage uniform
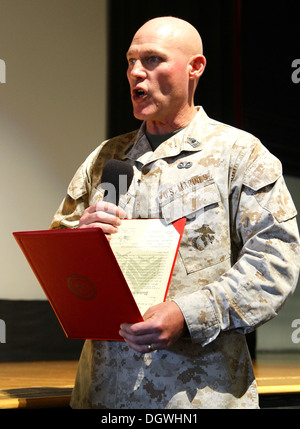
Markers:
point(238, 263)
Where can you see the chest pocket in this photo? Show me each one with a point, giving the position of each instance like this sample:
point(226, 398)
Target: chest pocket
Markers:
point(205, 241)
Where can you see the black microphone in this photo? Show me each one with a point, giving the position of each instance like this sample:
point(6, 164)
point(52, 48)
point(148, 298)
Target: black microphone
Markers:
point(115, 180)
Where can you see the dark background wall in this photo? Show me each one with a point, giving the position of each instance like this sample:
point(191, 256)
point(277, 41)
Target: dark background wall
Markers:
point(271, 100)
point(250, 47)
point(215, 20)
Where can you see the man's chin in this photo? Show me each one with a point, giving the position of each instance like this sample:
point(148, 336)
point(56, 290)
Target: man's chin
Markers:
point(144, 114)
point(141, 116)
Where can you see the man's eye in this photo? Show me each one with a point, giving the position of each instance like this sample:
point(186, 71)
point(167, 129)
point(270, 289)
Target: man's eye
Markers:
point(131, 61)
point(153, 59)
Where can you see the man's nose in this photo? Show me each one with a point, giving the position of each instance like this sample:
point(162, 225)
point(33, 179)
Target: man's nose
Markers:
point(137, 69)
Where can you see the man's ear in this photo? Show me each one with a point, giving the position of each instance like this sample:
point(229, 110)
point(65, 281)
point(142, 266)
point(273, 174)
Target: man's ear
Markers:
point(197, 66)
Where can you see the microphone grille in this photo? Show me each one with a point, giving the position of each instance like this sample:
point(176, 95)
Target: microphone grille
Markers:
point(112, 171)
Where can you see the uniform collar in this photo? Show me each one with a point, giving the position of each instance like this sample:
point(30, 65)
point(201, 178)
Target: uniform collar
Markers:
point(190, 139)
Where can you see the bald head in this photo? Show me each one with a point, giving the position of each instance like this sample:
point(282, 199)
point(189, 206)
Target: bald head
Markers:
point(176, 31)
point(165, 63)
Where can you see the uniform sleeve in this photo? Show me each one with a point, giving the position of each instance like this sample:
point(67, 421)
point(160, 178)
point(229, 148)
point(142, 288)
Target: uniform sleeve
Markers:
point(265, 274)
point(78, 196)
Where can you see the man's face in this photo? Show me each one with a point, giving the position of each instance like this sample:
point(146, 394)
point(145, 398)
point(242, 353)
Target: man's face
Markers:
point(158, 77)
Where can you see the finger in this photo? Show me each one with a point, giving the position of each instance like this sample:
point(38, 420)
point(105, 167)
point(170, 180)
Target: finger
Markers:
point(140, 339)
point(105, 218)
point(99, 219)
point(141, 344)
point(137, 329)
point(143, 349)
point(108, 230)
point(105, 206)
point(109, 226)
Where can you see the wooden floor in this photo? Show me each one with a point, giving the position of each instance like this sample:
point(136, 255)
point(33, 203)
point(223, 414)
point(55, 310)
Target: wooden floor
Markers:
point(49, 384)
point(36, 384)
point(276, 374)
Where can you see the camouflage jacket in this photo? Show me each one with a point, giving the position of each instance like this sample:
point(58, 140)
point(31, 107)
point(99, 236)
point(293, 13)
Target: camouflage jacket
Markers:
point(238, 263)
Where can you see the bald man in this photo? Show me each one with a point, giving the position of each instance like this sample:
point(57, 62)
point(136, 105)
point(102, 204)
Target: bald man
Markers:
point(239, 255)
point(170, 52)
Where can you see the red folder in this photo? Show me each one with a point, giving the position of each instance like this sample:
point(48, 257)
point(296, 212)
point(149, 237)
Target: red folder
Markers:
point(82, 280)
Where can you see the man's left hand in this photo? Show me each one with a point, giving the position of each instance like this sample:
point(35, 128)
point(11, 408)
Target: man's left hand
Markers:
point(163, 325)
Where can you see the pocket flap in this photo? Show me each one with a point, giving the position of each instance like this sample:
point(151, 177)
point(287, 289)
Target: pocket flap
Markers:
point(186, 198)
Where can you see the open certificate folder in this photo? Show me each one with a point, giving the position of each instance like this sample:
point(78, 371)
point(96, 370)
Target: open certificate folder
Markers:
point(93, 285)
point(146, 250)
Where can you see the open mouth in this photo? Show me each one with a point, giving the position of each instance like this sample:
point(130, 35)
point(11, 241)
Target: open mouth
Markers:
point(139, 94)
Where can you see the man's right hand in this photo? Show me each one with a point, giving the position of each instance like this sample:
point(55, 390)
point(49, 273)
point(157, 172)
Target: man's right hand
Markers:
point(104, 215)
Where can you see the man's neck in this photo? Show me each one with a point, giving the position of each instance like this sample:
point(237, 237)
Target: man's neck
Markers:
point(170, 126)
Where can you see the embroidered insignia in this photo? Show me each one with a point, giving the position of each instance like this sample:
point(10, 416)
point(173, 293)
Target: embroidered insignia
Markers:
point(193, 142)
point(185, 165)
